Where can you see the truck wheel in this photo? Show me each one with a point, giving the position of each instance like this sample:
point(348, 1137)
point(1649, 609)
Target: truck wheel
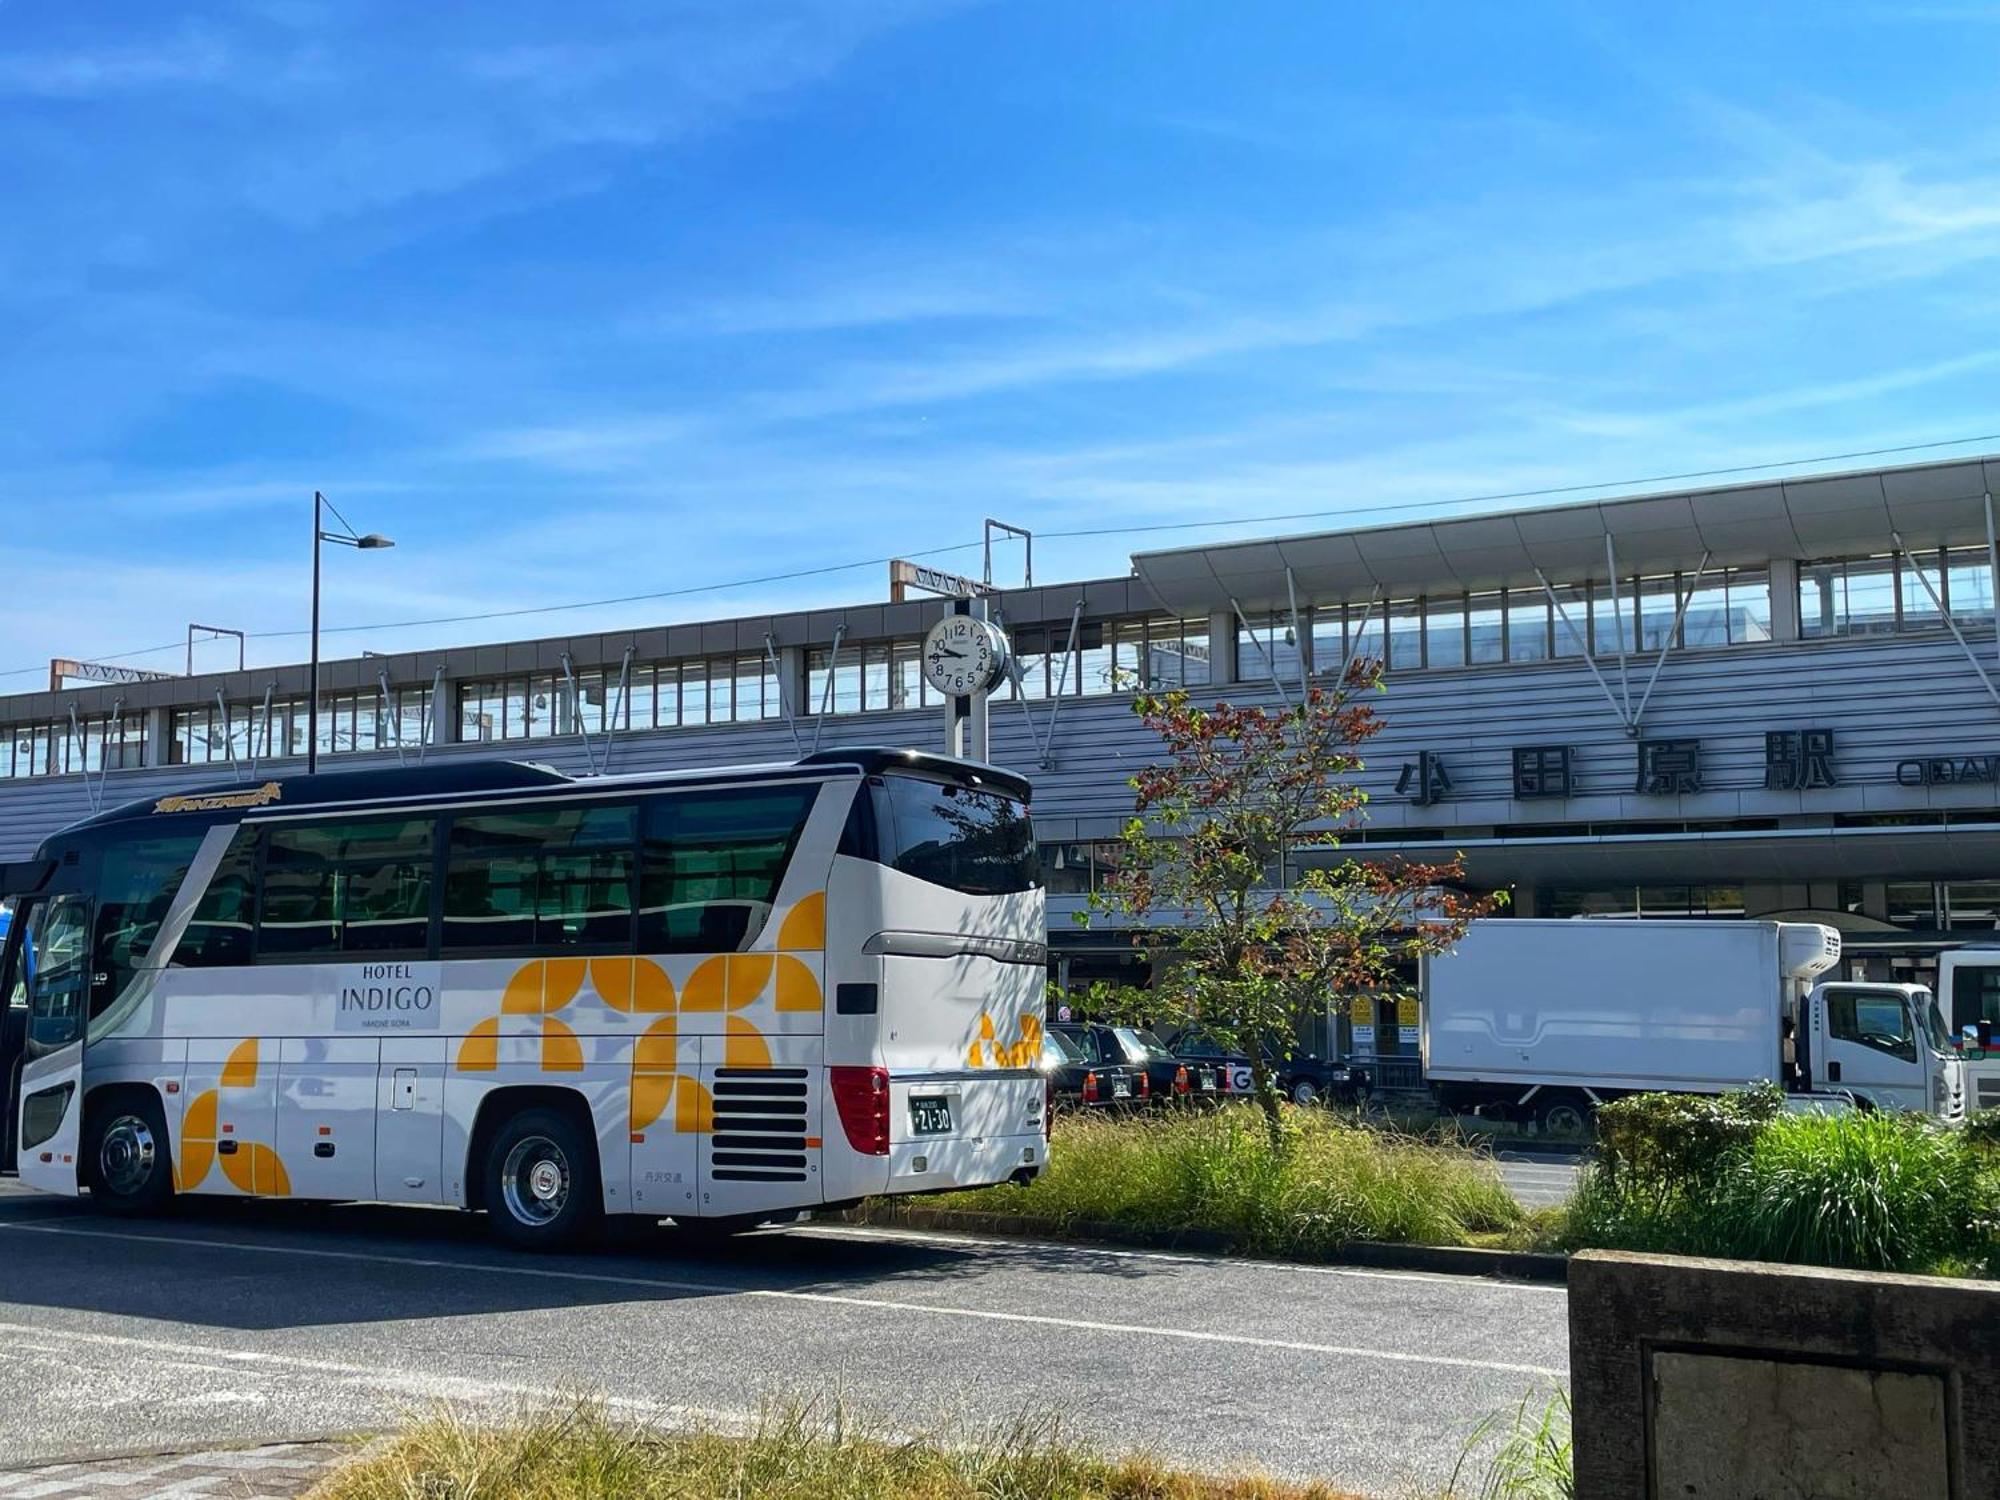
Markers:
point(125, 1156)
point(1305, 1092)
point(542, 1188)
point(1564, 1116)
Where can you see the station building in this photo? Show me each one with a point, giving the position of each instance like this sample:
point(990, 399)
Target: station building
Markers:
point(1771, 699)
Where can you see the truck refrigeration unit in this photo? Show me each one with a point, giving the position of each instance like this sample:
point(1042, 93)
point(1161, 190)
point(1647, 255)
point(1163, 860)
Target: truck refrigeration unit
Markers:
point(1546, 1019)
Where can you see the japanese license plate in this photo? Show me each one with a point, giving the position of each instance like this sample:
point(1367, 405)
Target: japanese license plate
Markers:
point(1205, 1080)
point(930, 1114)
point(1121, 1088)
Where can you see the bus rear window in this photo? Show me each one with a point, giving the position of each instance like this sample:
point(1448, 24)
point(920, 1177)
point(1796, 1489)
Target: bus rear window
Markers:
point(969, 840)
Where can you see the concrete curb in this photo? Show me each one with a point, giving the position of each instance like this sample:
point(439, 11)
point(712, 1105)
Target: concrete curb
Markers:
point(1454, 1260)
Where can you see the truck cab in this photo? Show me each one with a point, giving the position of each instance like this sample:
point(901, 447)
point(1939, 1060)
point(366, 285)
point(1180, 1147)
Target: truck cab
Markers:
point(1969, 989)
point(1885, 1044)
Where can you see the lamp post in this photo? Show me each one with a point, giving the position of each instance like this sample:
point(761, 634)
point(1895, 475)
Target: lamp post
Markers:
point(373, 541)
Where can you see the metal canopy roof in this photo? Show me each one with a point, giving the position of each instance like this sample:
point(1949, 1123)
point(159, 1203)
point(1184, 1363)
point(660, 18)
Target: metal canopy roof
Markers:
point(1830, 515)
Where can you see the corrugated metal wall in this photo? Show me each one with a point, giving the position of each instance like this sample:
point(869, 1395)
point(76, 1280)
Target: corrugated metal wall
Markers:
point(1886, 700)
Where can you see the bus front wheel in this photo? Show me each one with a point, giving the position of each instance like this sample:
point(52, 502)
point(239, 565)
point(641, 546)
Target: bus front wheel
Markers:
point(542, 1189)
point(125, 1159)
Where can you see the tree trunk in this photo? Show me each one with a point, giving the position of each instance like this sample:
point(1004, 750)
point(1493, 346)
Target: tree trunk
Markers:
point(1266, 1090)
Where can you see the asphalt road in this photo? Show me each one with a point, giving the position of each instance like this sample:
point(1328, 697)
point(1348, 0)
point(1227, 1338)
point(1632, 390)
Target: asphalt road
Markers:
point(239, 1322)
point(1539, 1179)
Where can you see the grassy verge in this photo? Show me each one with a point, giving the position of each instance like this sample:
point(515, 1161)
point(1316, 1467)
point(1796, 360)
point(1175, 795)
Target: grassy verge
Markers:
point(1333, 1183)
point(795, 1453)
point(818, 1451)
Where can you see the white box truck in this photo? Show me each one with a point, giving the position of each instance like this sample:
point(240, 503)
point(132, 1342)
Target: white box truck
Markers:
point(1546, 1019)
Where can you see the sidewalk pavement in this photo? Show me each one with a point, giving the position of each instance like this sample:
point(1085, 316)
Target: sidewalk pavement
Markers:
point(280, 1469)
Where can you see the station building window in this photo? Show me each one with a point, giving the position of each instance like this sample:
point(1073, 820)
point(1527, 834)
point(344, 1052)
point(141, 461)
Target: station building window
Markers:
point(57, 748)
point(212, 733)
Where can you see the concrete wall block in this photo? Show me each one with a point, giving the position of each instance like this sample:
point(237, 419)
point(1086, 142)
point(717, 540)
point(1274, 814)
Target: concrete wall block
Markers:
point(1706, 1379)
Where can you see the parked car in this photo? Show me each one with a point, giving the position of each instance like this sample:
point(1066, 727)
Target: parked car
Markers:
point(1302, 1079)
point(1168, 1076)
point(1076, 1083)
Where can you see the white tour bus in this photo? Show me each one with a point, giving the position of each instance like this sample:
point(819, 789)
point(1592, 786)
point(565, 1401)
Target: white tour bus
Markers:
point(718, 997)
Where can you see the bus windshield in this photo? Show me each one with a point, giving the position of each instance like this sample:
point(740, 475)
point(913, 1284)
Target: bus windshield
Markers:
point(969, 840)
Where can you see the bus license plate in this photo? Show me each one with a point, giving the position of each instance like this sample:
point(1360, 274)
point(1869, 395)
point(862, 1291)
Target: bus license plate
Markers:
point(930, 1114)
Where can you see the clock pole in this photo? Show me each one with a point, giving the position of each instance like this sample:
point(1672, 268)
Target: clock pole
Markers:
point(967, 728)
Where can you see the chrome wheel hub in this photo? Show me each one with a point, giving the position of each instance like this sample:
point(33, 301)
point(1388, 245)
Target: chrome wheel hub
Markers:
point(127, 1155)
point(535, 1180)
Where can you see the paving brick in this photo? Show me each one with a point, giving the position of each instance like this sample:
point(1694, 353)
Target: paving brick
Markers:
point(279, 1472)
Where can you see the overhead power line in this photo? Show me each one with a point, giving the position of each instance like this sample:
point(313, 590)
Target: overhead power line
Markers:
point(1134, 529)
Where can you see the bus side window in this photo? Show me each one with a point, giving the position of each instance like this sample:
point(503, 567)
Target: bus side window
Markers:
point(359, 887)
point(138, 881)
point(219, 935)
point(712, 862)
point(543, 877)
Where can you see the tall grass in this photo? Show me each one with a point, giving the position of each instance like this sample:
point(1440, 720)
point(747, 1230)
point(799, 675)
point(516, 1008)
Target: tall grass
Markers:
point(1534, 1461)
point(1864, 1191)
point(811, 1451)
point(1331, 1183)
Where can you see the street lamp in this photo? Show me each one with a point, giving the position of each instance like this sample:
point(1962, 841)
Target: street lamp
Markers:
point(372, 542)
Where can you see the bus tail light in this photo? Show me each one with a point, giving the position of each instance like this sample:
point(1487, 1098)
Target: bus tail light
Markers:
point(1090, 1088)
point(1180, 1080)
point(861, 1095)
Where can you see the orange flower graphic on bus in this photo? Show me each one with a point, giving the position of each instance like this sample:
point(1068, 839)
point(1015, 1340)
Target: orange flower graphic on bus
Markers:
point(250, 1166)
point(988, 1052)
point(719, 985)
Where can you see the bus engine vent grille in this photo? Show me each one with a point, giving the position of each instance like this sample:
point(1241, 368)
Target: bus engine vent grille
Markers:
point(760, 1125)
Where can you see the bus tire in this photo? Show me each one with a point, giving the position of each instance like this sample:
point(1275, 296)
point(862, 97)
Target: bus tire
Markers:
point(127, 1159)
point(541, 1182)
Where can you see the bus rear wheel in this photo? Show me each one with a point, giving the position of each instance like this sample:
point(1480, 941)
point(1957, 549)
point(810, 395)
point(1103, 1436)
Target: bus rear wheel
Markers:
point(125, 1159)
point(542, 1188)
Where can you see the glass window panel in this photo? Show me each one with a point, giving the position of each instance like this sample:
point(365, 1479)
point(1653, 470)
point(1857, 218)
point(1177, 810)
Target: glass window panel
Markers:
point(1708, 618)
point(1611, 618)
point(1822, 598)
point(754, 696)
point(1486, 632)
point(1969, 586)
point(1406, 636)
point(639, 698)
point(875, 677)
point(551, 878)
point(1527, 625)
point(1444, 632)
point(1659, 600)
point(1364, 631)
point(1131, 663)
point(1194, 664)
point(219, 934)
point(906, 675)
point(1271, 649)
point(360, 887)
point(1911, 903)
point(1038, 663)
point(1065, 869)
point(721, 692)
point(1871, 596)
point(1749, 605)
point(1972, 905)
point(1919, 612)
point(847, 681)
point(694, 692)
point(711, 864)
point(667, 695)
point(1570, 623)
point(1329, 637)
point(1090, 672)
point(137, 881)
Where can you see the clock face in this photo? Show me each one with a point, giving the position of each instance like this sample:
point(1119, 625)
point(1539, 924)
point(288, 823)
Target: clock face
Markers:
point(963, 655)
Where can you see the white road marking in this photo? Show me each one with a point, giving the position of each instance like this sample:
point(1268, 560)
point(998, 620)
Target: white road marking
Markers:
point(1177, 1257)
point(601, 1278)
point(395, 1380)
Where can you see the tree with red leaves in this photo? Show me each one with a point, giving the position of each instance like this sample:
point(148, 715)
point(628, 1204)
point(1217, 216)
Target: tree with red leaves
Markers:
point(1239, 791)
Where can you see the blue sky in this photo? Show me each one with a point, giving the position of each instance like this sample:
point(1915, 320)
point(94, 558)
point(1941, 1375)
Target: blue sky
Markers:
point(610, 299)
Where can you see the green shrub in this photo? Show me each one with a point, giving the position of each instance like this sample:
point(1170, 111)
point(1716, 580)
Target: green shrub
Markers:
point(1740, 1177)
point(1331, 1182)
